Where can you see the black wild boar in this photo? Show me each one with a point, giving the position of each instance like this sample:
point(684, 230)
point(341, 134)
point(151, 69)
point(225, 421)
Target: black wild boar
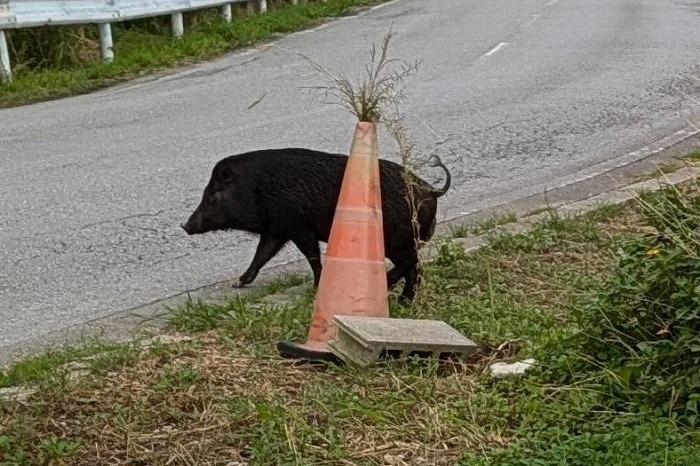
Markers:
point(290, 195)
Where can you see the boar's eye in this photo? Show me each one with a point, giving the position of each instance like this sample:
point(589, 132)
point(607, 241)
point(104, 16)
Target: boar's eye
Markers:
point(215, 197)
point(224, 174)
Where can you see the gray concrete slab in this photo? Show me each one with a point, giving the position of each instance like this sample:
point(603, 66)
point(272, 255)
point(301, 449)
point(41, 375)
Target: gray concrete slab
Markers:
point(364, 340)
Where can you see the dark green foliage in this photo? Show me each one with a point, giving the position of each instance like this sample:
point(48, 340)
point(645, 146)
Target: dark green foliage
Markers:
point(641, 334)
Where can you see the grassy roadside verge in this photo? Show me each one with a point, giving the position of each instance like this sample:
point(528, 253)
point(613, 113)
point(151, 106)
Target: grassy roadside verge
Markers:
point(140, 51)
point(606, 303)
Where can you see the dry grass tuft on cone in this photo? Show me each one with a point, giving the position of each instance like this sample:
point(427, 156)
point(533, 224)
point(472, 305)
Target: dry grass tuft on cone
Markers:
point(381, 84)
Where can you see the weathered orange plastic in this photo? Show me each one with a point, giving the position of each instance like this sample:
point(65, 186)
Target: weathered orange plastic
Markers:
point(353, 278)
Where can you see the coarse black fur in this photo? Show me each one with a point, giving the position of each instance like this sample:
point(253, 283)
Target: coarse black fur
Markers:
point(291, 194)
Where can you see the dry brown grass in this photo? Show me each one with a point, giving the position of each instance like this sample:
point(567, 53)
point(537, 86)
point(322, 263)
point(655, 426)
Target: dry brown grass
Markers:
point(152, 412)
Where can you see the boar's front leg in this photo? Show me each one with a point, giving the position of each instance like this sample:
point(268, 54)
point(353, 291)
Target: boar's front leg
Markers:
point(308, 245)
point(394, 275)
point(266, 250)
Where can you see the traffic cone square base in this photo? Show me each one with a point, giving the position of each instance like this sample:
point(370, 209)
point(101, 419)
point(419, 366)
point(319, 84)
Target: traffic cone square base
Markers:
point(288, 349)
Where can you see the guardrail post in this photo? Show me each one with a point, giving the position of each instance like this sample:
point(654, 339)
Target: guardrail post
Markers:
point(226, 12)
point(106, 44)
point(263, 6)
point(177, 23)
point(295, 2)
point(5, 70)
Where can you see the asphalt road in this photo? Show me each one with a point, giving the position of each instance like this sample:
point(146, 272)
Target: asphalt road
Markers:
point(93, 188)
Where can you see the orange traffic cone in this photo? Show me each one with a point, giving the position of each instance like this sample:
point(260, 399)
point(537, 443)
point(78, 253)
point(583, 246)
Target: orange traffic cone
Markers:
point(353, 278)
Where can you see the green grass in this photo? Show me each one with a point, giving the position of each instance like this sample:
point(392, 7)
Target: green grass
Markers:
point(486, 226)
point(226, 396)
point(139, 52)
point(51, 366)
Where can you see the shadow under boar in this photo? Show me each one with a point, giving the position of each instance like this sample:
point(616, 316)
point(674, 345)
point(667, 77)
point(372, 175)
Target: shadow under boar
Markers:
point(291, 194)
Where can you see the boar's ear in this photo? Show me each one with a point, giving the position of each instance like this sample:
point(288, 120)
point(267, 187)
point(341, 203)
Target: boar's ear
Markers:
point(224, 174)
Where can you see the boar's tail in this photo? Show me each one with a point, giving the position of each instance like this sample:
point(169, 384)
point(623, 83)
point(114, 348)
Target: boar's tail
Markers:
point(448, 181)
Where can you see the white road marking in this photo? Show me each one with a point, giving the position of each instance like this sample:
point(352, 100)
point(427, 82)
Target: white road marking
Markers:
point(551, 2)
point(599, 169)
point(495, 49)
point(530, 21)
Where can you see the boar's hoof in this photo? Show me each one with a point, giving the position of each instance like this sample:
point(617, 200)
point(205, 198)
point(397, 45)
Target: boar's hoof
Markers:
point(404, 301)
point(244, 279)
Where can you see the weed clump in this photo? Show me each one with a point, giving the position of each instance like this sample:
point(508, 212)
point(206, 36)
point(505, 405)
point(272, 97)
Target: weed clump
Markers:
point(641, 334)
point(380, 85)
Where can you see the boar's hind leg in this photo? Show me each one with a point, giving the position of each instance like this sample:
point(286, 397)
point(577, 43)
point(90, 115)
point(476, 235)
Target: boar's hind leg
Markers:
point(407, 267)
point(266, 250)
point(308, 245)
point(413, 278)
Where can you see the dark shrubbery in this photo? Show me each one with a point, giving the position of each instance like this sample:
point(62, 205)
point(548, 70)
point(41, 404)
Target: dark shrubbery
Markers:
point(642, 333)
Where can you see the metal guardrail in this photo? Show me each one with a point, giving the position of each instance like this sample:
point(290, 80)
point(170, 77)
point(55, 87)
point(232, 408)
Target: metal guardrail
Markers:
point(15, 14)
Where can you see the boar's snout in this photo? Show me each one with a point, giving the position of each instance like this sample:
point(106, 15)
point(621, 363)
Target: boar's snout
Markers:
point(193, 225)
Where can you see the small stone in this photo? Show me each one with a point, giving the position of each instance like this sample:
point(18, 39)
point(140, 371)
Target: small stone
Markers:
point(76, 369)
point(16, 393)
point(394, 460)
point(503, 369)
point(165, 339)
